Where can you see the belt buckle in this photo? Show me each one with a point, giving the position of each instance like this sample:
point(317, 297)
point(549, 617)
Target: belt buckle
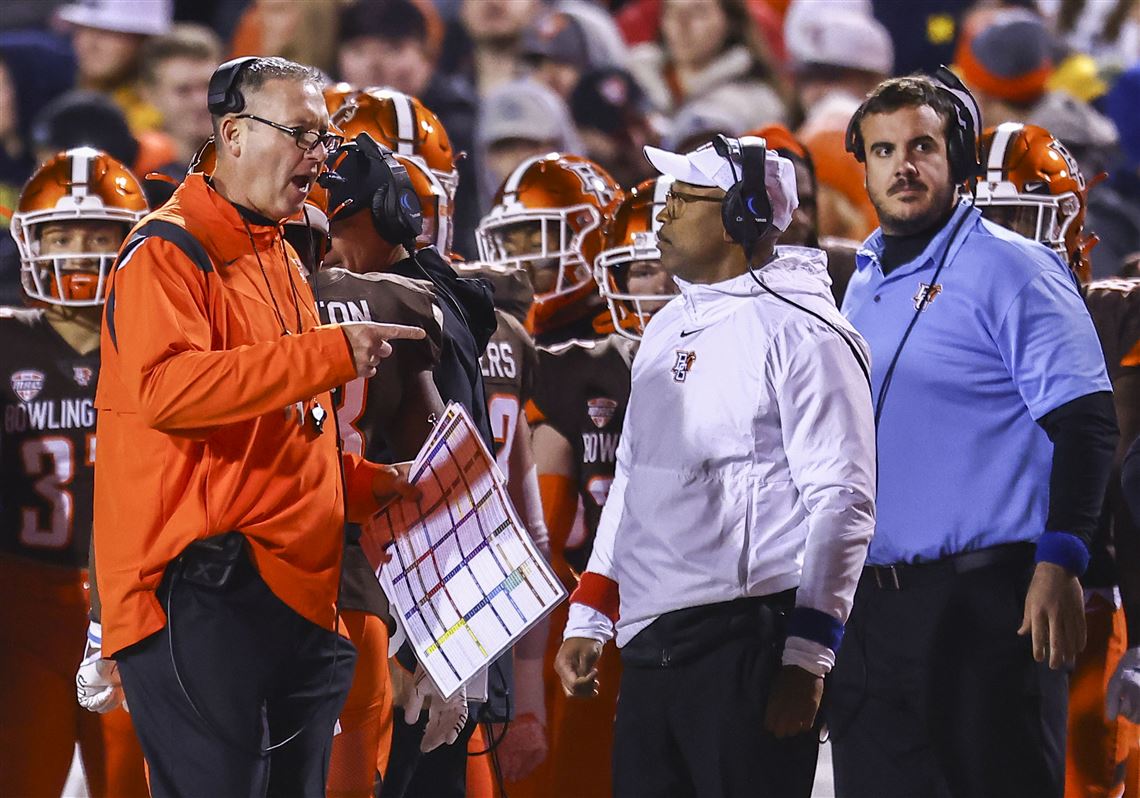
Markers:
point(887, 577)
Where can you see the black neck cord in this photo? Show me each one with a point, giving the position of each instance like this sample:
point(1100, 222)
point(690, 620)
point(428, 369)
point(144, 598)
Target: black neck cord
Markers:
point(846, 340)
point(923, 301)
point(272, 297)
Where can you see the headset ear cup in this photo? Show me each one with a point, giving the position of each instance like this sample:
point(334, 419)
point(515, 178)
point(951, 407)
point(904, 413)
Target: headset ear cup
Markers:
point(381, 211)
point(732, 214)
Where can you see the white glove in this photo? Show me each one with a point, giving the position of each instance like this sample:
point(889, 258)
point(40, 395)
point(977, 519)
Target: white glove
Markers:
point(446, 717)
point(1123, 695)
point(97, 683)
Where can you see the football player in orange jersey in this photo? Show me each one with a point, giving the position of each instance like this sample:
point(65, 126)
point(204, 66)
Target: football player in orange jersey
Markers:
point(72, 216)
point(1033, 186)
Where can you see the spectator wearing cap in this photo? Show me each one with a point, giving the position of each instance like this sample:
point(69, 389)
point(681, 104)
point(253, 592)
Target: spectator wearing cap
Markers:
point(570, 39)
point(90, 119)
point(708, 50)
point(825, 58)
point(1007, 64)
point(725, 562)
point(108, 37)
point(555, 48)
point(615, 123)
point(518, 120)
point(176, 70)
point(1114, 205)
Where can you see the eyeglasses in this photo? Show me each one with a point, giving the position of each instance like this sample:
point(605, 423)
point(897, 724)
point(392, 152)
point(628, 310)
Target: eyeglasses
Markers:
point(306, 139)
point(675, 201)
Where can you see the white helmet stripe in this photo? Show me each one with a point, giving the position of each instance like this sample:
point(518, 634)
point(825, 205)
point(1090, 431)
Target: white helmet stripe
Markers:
point(512, 184)
point(80, 171)
point(405, 123)
point(1003, 135)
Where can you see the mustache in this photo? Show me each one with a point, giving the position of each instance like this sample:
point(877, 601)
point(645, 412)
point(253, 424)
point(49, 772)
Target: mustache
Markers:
point(906, 185)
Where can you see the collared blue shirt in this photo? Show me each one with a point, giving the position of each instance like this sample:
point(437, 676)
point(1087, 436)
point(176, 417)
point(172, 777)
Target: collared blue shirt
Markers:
point(963, 464)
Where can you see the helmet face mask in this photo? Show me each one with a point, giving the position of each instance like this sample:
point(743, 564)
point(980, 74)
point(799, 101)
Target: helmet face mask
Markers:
point(549, 219)
point(71, 220)
point(547, 244)
point(629, 271)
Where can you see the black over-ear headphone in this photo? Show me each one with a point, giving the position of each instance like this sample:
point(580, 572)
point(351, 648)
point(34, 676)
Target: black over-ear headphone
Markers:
point(961, 129)
point(747, 210)
point(224, 97)
point(394, 205)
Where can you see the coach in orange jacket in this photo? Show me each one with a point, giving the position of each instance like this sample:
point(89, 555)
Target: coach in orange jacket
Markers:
point(219, 506)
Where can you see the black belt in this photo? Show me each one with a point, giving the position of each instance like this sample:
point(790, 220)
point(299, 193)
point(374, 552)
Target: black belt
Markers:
point(902, 575)
point(679, 637)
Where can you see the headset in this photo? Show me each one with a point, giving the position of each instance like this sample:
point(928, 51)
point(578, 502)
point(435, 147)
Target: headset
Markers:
point(962, 128)
point(224, 96)
point(394, 207)
point(746, 213)
point(962, 157)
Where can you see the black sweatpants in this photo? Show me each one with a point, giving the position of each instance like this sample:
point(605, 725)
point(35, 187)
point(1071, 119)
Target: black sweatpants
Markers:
point(256, 671)
point(935, 694)
point(696, 728)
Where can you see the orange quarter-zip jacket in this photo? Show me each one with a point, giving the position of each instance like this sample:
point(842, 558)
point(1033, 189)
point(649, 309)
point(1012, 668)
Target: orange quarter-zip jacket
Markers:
point(202, 415)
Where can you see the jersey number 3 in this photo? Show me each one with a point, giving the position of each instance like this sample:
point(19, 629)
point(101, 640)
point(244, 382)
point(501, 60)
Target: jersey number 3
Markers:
point(52, 460)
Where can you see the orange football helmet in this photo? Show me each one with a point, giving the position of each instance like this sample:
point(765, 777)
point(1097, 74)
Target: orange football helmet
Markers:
point(337, 97)
point(550, 215)
point(404, 125)
point(81, 184)
point(1033, 186)
point(632, 239)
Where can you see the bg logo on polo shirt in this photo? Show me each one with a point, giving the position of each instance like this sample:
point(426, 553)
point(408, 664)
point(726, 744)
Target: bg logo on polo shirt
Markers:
point(925, 295)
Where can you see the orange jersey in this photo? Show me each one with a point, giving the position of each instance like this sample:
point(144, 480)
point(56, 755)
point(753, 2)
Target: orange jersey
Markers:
point(203, 406)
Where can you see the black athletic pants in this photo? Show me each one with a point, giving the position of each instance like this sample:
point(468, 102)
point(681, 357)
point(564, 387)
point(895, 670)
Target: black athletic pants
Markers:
point(256, 671)
point(935, 694)
point(690, 714)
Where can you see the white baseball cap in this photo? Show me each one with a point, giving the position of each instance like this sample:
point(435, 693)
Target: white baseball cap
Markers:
point(147, 17)
point(838, 37)
point(704, 166)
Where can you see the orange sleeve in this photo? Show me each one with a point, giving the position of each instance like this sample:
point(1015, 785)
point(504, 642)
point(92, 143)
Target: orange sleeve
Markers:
point(360, 502)
point(162, 332)
point(559, 506)
point(534, 416)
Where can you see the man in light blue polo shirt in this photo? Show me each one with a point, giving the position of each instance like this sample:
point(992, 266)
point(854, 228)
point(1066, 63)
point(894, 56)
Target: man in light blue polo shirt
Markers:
point(995, 436)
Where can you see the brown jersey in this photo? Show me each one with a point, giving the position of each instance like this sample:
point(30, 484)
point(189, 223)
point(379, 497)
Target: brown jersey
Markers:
point(364, 407)
point(1114, 305)
point(508, 365)
point(48, 444)
point(582, 391)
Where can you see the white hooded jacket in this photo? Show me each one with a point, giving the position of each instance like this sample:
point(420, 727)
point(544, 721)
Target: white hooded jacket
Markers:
point(746, 465)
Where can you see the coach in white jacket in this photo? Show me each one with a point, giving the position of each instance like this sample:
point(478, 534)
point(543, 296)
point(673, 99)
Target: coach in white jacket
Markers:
point(741, 510)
